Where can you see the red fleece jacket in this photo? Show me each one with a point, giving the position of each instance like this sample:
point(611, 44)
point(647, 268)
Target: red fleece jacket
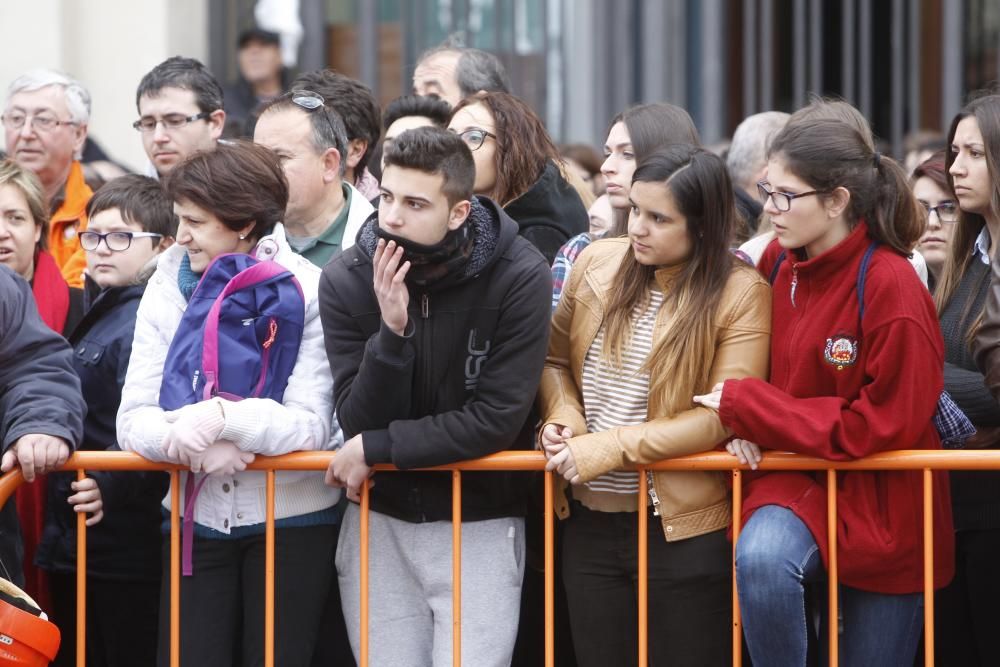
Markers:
point(840, 393)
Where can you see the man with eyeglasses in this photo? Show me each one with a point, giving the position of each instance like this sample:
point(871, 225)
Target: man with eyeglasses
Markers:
point(180, 112)
point(324, 210)
point(45, 126)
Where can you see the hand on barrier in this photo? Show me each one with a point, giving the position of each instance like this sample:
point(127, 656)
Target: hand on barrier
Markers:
point(87, 499)
point(562, 461)
point(712, 399)
point(390, 290)
point(222, 458)
point(745, 451)
point(553, 438)
point(348, 469)
point(193, 428)
point(36, 454)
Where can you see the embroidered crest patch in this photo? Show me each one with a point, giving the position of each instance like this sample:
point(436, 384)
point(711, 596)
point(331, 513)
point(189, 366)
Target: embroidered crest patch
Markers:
point(841, 351)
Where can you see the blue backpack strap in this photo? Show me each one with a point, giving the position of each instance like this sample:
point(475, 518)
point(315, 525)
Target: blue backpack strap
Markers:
point(862, 276)
point(777, 265)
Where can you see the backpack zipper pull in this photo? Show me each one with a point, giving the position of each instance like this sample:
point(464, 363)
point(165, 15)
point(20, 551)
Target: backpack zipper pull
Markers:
point(425, 306)
point(795, 281)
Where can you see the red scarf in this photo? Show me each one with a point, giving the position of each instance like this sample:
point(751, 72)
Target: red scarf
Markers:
point(51, 292)
point(52, 298)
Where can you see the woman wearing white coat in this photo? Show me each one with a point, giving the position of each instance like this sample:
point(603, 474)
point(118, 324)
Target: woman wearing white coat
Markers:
point(230, 200)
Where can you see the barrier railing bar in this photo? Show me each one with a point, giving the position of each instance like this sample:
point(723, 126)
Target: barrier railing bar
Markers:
point(514, 461)
point(550, 580)
point(926, 460)
point(363, 662)
point(832, 574)
point(928, 568)
point(456, 568)
point(737, 515)
point(81, 582)
point(269, 574)
point(643, 570)
point(175, 567)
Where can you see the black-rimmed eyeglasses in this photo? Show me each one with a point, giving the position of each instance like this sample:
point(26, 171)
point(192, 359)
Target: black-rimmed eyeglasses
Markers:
point(947, 211)
point(782, 200)
point(173, 121)
point(116, 241)
point(475, 137)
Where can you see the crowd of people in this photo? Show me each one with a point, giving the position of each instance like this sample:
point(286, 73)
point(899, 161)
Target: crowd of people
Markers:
point(463, 285)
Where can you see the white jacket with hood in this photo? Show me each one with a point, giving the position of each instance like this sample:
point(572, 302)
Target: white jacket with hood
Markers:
point(304, 421)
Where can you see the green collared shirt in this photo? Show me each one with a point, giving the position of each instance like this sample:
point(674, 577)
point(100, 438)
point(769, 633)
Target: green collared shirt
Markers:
point(320, 249)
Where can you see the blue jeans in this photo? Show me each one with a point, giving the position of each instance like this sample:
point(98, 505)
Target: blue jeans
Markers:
point(776, 560)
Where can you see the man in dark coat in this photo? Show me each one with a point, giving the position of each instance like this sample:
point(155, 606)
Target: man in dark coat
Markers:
point(41, 408)
point(436, 325)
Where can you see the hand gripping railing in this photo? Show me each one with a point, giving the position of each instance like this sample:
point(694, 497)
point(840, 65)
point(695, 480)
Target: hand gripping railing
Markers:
point(528, 461)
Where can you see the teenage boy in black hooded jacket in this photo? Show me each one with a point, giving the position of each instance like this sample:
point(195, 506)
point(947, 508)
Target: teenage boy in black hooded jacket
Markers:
point(436, 326)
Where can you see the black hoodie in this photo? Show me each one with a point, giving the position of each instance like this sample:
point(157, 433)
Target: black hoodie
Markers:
point(549, 213)
point(458, 385)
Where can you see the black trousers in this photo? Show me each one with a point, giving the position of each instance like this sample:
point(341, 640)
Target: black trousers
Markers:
point(690, 592)
point(334, 646)
point(222, 604)
point(966, 614)
point(121, 621)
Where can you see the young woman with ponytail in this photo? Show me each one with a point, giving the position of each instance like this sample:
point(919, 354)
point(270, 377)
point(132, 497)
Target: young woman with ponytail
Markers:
point(645, 322)
point(848, 379)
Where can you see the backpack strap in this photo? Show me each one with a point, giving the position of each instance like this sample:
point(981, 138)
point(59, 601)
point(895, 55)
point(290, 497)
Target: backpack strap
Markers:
point(246, 278)
point(191, 491)
point(777, 265)
point(862, 277)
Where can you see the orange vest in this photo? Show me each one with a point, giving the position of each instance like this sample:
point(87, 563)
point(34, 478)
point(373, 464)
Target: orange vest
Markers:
point(67, 223)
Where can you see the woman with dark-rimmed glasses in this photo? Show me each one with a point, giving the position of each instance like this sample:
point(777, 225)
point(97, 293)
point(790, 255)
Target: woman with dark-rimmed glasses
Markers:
point(856, 369)
point(518, 166)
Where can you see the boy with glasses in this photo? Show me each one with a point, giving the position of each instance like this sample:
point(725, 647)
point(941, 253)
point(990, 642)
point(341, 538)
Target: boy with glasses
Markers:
point(180, 112)
point(131, 222)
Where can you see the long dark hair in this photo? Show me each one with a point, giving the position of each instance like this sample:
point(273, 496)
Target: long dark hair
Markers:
point(828, 154)
point(651, 127)
point(986, 111)
point(701, 189)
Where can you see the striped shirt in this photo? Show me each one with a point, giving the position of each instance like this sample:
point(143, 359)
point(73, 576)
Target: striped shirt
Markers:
point(614, 397)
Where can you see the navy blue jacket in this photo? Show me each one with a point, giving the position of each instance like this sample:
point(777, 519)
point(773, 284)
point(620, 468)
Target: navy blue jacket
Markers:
point(125, 545)
point(39, 393)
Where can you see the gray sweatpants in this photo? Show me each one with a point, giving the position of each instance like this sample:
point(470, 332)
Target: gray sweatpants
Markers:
point(410, 589)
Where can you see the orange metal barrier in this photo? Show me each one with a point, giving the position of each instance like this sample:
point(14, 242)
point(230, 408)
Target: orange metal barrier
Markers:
point(526, 461)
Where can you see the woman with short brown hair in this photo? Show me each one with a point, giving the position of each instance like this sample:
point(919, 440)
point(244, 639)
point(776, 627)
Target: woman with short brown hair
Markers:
point(230, 200)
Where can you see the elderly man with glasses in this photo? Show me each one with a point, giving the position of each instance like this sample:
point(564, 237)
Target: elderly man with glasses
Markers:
point(180, 112)
point(45, 125)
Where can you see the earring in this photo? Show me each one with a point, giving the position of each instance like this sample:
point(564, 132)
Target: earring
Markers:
point(242, 236)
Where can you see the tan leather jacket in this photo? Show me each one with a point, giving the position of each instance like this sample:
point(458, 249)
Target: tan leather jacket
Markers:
point(691, 503)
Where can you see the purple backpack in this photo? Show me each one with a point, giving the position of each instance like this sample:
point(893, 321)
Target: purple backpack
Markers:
point(239, 338)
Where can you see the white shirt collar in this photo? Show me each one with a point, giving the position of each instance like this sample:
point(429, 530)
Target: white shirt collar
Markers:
point(982, 247)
